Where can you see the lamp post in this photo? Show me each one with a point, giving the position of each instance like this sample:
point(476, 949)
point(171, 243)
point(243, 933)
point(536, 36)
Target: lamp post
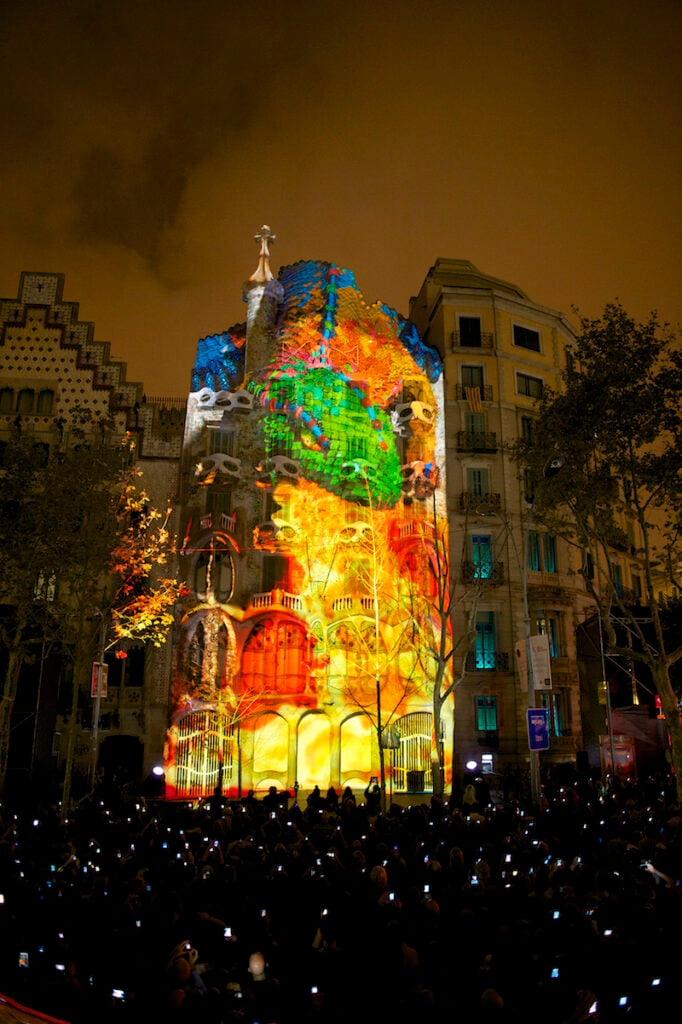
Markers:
point(99, 677)
point(553, 466)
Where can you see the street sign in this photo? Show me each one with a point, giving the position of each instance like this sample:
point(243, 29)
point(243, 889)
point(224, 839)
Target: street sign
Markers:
point(538, 729)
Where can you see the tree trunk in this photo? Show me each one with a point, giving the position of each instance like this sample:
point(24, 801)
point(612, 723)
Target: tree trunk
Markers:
point(81, 671)
point(9, 694)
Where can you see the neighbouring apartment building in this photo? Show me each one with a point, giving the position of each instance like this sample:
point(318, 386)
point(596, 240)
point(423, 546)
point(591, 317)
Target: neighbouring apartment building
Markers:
point(55, 375)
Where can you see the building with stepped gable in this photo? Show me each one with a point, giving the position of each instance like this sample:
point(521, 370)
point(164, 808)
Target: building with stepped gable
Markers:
point(55, 378)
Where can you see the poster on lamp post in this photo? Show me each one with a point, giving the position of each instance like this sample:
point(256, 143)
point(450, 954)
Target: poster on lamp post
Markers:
point(540, 662)
point(99, 679)
point(538, 729)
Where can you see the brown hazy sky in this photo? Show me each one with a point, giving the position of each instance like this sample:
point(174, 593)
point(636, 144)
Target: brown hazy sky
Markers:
point(144, 144)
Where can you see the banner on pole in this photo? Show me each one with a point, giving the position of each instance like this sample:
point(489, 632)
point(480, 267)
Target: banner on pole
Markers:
point(538, 729)
point(540, 662)
point(99, 680)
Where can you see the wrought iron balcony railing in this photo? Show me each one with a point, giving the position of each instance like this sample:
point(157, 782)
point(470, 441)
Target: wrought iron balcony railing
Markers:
point(485, 339)
point(471, 499)
point(493, 661)
point(476, 441)
point(485, 572)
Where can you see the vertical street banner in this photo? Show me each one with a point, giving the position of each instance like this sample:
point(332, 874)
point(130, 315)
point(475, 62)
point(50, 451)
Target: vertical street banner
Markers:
point(99, 679)
point(540, 662)
point(538, 729)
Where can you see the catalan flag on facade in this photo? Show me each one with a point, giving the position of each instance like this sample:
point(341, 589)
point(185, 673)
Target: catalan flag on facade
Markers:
point(473, 396)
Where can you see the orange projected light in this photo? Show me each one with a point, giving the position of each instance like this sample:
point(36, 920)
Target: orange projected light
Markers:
point(333, 468)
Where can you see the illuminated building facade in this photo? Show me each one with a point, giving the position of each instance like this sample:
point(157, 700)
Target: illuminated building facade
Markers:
point(499, 350)
point(312, 481)
point(54, 377)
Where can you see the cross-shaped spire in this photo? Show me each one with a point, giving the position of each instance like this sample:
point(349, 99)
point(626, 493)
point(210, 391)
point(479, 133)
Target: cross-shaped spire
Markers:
point(263, 272)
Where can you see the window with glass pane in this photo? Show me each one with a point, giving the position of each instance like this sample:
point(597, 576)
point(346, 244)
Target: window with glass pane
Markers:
point(557, 705)
point(533, 551)
point(484, 649)
point(529, 386)
point(481, 556)
point(526, 337)
point(549, 550)
point(486, 714)
point(549, 625)
point(474, 422)
point(472, 376)
point(477, 481)
point(275, 572)
point(527, 428)
point(470, 331)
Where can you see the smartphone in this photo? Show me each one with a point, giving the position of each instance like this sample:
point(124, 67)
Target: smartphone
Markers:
point(593, 1009)
point(227, 933)
point(555, 972)
point(314, 990)
point(117, 993)
point(23, 959)
point(391, 897)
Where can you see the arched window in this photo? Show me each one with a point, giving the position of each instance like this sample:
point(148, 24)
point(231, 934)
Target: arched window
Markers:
point(6, 400)
point(25, 400)
point(214, 575)
point(46, 401)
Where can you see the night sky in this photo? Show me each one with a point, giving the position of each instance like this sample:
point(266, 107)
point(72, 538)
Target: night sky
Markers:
point(145, 143)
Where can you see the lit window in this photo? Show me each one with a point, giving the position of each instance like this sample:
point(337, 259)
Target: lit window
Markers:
point(557, 703)
point(481, 556)
point(533, 551)
point(486, 714)
point(549, 551)
point(484, 647)
point(550, 626)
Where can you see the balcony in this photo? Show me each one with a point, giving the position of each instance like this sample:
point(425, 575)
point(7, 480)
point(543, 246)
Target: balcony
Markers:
point(497, 661)
point(472, 500)
point(277, 599)
point(485, 390)
point(491, 573)
point(485, 340)
point(476, 441)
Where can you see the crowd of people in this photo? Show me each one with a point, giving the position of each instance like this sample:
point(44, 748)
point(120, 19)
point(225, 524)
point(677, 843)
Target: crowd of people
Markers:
point(265, 909)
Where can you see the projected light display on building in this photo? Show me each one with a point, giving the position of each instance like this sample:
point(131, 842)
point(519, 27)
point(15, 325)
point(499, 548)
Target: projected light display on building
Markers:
point(313, 481)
